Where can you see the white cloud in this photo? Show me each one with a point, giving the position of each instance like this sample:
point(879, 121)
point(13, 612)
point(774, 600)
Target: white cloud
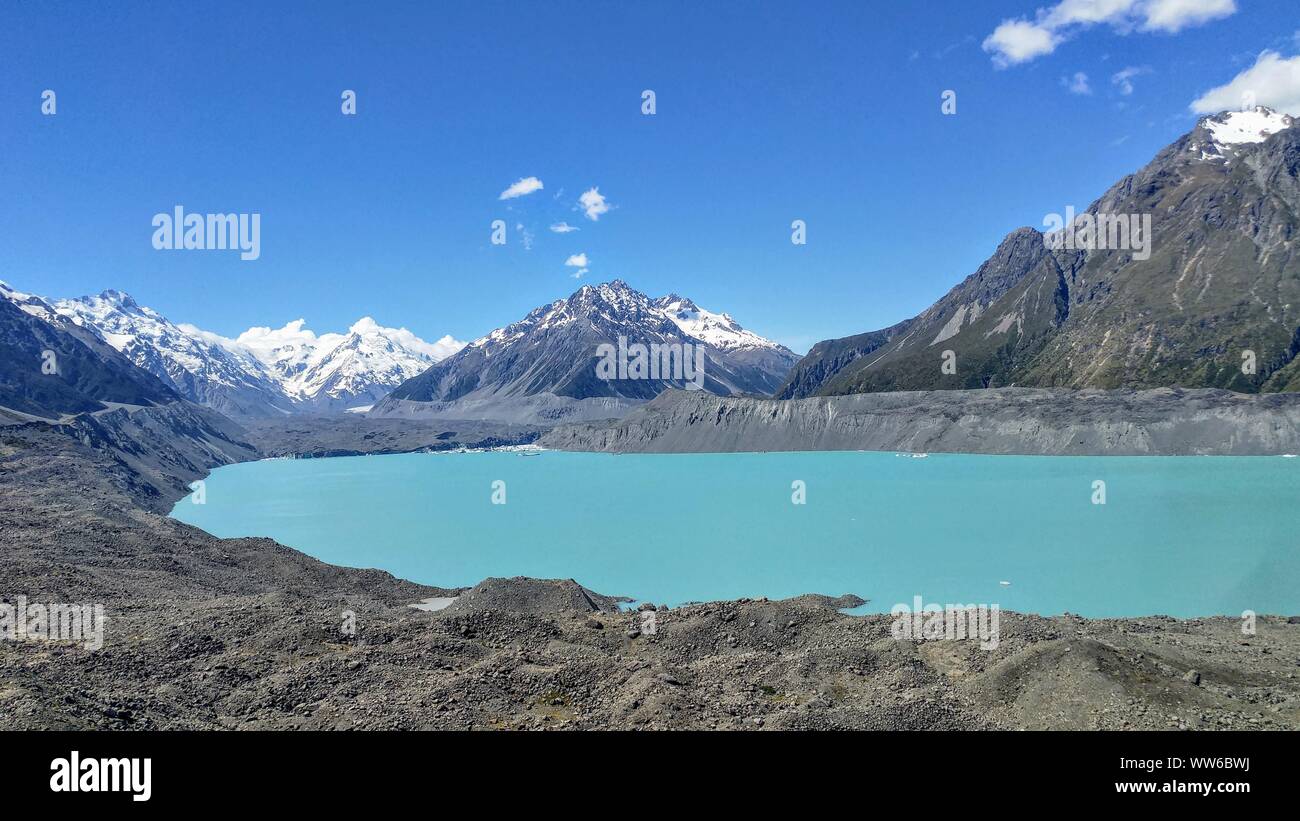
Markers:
point(210, 337)
point(1017, 41)
point(437, 351)
point(563, 227)
point(523, 187)
point(1273, 81)
point(1124, 79)
point(1175, 15)
point(1077, 84)
point(263, 342)
point(295, 342)
point(577, 260)
point(1021, 40)
point(578, 273)
point(593, 204)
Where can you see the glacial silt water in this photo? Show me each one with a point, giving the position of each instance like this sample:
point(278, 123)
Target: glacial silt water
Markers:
point(1182, 536)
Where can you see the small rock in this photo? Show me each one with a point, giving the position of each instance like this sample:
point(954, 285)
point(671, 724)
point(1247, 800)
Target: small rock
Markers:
point(1193, 677)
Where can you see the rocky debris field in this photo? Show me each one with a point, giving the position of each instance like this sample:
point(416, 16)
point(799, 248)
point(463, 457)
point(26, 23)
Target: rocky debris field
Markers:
point(206, 633)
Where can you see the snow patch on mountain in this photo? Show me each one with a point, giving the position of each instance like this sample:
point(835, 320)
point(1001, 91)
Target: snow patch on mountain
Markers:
point(1229, 129)
point(28, 303)
point(142, 333)
point(718, 330)
point(1255, 126)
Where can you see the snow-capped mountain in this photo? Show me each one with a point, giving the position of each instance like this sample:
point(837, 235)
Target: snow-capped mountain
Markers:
point(193, 365)
point(553, 351)
point(262, 371)
point(330, 372)
point(340, 371)
point(1219, 136)
point(89, 373)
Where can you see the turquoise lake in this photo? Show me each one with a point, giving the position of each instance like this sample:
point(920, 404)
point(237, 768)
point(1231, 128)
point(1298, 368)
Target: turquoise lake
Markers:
point(1182, 536)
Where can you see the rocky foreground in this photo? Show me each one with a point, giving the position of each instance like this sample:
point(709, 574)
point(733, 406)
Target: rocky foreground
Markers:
point(1163, 421)
point(207, 633)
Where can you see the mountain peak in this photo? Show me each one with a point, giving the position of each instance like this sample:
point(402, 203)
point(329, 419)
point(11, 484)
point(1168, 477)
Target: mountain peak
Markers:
point(1250, 126)
point(553, 350)
point(616, 288)
point(1229, 130)
point(118, 298)
point(615, 295)
point(1114, 313)
point(612, 285)
point(675, 303)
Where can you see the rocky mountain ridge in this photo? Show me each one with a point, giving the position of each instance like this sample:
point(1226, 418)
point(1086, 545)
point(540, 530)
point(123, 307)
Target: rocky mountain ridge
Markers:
point(1208, 297)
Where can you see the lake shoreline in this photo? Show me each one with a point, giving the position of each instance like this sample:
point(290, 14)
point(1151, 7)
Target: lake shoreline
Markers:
point(247, 633)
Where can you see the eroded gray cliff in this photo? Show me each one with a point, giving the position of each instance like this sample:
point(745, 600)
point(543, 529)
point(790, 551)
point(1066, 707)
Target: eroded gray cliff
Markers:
point(1164, 421)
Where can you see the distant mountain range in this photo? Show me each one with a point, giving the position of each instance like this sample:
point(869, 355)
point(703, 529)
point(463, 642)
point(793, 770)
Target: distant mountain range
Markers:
point(541, 368)
point(263, 371)
point(547, 361)
point(1210, 297)
point(1219, 290)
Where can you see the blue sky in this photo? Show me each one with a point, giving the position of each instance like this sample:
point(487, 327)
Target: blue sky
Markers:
point(766, 113)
